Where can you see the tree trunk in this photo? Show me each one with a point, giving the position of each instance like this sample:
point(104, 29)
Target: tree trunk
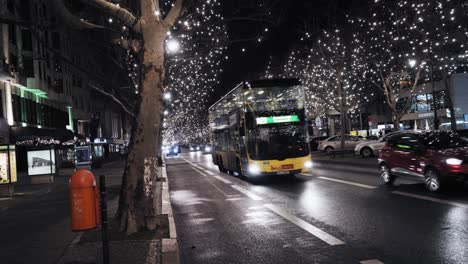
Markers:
point(138, 206)
point(453, 118)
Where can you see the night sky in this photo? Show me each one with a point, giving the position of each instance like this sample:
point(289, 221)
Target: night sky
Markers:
point(280, 38)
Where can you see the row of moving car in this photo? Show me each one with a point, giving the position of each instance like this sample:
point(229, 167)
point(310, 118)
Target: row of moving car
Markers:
point(204, 148)
point(330, 144)
point(435, 158)
point(175, 150)
point(365, 147)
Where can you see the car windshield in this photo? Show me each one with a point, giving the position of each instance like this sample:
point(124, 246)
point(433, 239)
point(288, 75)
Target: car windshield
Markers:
point(277, 142)
point(444, 140)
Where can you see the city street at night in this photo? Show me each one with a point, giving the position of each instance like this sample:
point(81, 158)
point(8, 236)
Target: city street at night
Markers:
point(233, 132)
point(338, 213)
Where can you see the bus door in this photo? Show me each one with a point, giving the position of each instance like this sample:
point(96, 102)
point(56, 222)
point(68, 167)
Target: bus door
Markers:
point(233, 148)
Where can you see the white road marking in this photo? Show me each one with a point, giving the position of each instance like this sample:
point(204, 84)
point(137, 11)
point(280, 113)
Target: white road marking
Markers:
point(234, 199)
point(349, 183)
point(199, 171)
point(427, 198)
point(249, 194)
point(5, 199)
point(209, 172)
point(223, 180)
point(320, 234)
point(371, 261)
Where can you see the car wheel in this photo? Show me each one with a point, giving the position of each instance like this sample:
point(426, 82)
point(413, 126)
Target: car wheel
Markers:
point(386, 175)
point(329, 150)
point(366, 152)
point(432, 180)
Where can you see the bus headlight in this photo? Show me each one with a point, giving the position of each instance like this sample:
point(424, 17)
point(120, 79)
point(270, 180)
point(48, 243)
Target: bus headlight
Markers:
point(308, 164)
point(207, 149)
point(254, 169)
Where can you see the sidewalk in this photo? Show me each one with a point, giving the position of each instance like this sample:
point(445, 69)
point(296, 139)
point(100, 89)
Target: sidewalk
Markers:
point(35, 227)
point(143, 247)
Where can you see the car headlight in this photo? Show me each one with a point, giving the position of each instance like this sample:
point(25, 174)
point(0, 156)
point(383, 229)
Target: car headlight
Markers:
point(191, 148)
point(254, 169)
point(198, 148)
point(453, 161)
point(308, 164)
point(207, 149)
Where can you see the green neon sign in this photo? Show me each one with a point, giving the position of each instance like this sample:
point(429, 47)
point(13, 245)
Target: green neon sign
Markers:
point(277, 119)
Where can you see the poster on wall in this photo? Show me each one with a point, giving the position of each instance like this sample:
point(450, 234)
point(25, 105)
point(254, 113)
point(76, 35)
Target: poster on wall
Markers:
point(83, 155)
point(4, 168)
point(13, 163)
point(41, 162)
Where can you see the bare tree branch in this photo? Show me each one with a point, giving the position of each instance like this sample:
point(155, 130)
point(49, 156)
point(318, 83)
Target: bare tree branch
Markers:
point(95, 87)
point(174, 13)
point(148, 9)
point(127, 18)
point(62, 11)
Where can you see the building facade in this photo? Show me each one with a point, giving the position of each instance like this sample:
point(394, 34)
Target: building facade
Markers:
point(45, 90)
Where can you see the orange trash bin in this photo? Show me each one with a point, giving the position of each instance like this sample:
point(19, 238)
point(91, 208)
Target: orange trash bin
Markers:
point(83, 201)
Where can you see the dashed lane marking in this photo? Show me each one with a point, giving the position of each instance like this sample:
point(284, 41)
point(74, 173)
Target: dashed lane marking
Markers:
point(199, 171)
point(371, 261)
point(5, 199)
point(234, 199)
point(427, 198)
point(248, 193)
point(348, 182)
point(210, 172)
point(222, 179)
point(320, 234)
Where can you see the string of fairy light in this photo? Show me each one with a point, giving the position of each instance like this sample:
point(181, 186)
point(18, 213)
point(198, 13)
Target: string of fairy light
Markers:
point(393, 42)
point(193, 68)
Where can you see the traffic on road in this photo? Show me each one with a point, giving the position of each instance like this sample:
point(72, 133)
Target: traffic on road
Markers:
point(339, 212)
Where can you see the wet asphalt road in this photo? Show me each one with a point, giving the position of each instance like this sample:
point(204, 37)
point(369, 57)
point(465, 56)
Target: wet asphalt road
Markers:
point(339, 213)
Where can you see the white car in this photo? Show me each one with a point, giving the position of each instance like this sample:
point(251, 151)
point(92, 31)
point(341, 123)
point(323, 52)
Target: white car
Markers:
point(372, 147)
point(332, 143)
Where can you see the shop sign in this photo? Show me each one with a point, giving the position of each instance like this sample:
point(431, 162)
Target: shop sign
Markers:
point(424, 115)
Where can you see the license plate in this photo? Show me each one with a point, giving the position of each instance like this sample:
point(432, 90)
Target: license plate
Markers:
point(283, 172)
point(287, 166)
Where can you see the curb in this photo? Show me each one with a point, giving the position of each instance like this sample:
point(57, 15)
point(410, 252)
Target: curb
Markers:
point(170, 246)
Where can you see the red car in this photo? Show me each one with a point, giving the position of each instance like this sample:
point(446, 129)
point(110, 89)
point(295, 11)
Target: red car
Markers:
point(434, 158)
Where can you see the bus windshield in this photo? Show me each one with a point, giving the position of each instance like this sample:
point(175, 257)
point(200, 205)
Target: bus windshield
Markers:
point(277, 142)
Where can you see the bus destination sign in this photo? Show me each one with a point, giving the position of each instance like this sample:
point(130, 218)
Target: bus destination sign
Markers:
point(277, 119)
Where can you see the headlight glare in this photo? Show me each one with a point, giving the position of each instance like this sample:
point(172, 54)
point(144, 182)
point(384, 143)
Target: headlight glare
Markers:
point(453, 161)
point(308, 164)
point(254, 169)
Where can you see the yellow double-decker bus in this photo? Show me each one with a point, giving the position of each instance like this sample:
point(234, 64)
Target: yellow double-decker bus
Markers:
point(259, 128)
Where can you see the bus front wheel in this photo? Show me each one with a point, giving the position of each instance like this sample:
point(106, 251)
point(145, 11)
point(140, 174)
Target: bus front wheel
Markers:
point(238, 169)
point(220, 165)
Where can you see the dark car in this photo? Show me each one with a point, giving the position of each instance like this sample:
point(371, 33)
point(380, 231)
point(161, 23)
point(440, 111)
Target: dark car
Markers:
point(171, 150)
point(314, 142)
point(433, 158)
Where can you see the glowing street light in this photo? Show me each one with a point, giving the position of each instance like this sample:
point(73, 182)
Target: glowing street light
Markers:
point(412, 63)
point(173, 46)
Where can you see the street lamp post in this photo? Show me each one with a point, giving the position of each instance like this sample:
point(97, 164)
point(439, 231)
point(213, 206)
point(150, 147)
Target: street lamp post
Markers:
point(434, 103)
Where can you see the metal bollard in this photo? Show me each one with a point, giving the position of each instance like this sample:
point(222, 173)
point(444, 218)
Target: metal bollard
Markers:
point(104, 226)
